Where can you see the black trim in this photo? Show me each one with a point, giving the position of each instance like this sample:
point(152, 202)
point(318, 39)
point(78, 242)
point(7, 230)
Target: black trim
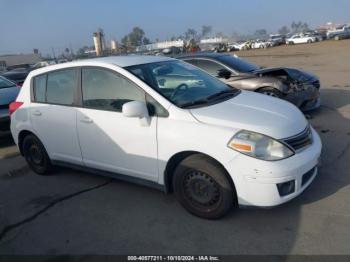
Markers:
point(32, 93)
point(126, 178)
point(78, 93)
point(307, 176)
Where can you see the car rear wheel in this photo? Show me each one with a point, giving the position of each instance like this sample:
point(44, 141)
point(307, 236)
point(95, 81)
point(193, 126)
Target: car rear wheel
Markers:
point(202, 188)
point(270, 91)
point(36, 155)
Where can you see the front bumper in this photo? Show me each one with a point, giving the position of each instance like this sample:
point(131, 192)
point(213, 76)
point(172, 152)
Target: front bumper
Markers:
point(306, 100)
point(256, 180)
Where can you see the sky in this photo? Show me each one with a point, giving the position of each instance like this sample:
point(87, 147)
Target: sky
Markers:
point(47, 24)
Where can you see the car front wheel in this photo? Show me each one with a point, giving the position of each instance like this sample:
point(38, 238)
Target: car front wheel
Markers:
point(36, 155)
point(202, 187)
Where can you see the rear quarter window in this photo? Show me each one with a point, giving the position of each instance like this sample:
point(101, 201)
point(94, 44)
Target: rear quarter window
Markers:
point(40, 88)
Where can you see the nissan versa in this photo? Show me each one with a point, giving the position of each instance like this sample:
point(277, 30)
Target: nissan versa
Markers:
point(165, 123)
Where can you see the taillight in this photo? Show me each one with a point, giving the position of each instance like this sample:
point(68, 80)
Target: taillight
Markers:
point(14, 106)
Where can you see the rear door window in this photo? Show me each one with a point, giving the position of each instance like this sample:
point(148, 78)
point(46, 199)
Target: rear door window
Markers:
point(61, 86)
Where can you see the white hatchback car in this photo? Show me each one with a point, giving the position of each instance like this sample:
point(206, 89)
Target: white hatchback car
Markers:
point(164, 123)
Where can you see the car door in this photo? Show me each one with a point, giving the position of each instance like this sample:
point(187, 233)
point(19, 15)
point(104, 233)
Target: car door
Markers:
point(109, 140)
point(298, 40)
point(53, 114)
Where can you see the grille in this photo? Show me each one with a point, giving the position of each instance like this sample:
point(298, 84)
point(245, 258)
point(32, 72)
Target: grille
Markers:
point(4, 106)
point(307, 176)
point(301, 140)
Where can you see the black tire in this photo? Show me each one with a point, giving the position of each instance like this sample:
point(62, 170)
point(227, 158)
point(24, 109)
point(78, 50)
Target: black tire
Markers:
point(270, 91)
point(291, 43)
point(36, 155)
point(202, 188)
point(309, 41)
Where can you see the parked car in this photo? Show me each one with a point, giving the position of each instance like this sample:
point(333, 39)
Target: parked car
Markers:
point(17, 75)
point(301, 39)
point(296, 86)
point(19, 67)
point(259, 44)
point(165, 123)
point(214, 47)
point(43, 64)
point(242, 45)
point(341, 31)
point(318, 37)
point(8, 93)
point(277, 40)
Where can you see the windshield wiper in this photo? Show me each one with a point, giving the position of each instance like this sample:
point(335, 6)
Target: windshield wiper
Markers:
point(222, 93)
point(195, 103)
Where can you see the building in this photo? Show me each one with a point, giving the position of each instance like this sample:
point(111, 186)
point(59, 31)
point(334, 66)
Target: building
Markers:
point(99, 42)
point(160, 45)
point(214, 40)
point(11, 60)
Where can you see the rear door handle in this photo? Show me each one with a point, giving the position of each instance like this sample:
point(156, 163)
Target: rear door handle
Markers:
point(86, 120)
point(37, 113)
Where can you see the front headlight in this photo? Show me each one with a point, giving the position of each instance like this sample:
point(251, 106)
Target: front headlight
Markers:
point(259, 146)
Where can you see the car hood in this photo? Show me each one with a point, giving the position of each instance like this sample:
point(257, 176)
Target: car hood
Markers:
point(255, 112)
point(302, 75)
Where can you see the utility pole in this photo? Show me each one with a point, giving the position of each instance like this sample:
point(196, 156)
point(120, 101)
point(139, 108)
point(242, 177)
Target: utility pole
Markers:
point(53, 53)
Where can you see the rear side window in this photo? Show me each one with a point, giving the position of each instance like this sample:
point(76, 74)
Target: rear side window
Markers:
point(210, 66)
point(61, 87)
point(40, 89)
point(105, 90)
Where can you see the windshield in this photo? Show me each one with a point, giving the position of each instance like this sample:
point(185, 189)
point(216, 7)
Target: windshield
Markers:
point(184, 85)
point(4, 83)
point(237, 64)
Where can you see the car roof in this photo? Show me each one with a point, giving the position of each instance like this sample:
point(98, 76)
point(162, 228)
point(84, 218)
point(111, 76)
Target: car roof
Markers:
point(121, 61)
point(202, 55)
point(130, 60)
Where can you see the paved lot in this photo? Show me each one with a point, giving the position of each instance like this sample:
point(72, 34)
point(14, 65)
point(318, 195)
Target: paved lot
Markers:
point(78, 213)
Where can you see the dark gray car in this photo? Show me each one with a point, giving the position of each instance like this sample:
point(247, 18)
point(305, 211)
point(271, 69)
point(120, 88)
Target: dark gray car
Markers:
point(296, 86)
point(8, 93)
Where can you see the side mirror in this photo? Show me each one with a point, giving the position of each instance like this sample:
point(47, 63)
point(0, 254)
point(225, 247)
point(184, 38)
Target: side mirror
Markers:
point(137, 109)
point(224, 73)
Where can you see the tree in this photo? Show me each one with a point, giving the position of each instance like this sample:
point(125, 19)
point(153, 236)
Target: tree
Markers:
point(299, 27)
point(191, 34)
point(260, 33)
point(135, 38)
point(284, 30)
point(220, 34)
point(206, 30)
point(146, 41)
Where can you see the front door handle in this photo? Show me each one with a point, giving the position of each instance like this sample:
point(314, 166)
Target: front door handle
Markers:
point(86, 120)
point(37, 113)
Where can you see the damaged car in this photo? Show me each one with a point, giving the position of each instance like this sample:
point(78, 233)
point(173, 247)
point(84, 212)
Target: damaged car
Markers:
point(296, 86)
